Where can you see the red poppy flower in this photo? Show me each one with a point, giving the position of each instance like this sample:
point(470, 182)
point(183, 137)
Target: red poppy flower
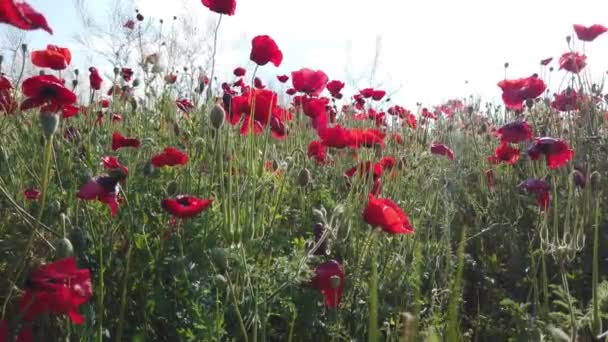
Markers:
point(185, 206)
point(221, 6)
point(367, 92)
point(112, 163)
point(387, 162)
point(588, 34)
point(22, 15)
point(264, 50)
point(170, 156)
point(95, 79)
point(329, 278)
point(428, 114)
point(368, 137)
point(309, 81)
point(546, 61)
point(336, 136)
point(104, 103)
point(515, 92)
point(31, 194)
point(443, 150)
point(515, 132)
point(257, 83)
point(335, 87)
point(566, 101)
point(282, 78)
point(573, 62)
point(104, 189)
point(239, 72)
point(126, 74)
point(58, 288)
point(46, 90)
point(365, 169)
point(384, 213)
point(540, 188)
point(317, 151)
point(410, 120)
point(130, 24)
point(7, 101)
point(398, 138)
point(505, 154)
point(291, 91)
point(69, 111)
point(184, 105)
point(557, 152)
point(54, 57)
point(316, 109)
point(119, 141)
point(171, 78)
point(116, 117)
point(377, 95)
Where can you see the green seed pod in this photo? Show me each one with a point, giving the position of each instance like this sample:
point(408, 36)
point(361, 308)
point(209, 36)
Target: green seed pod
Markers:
point(148, 169)
point(219, 259)
point(171, 188)
point(217, 116)
point(136, 82)
point(78, 239)
point(303, 177)
point(596, 181)
point(49, 122)
point(63, 248)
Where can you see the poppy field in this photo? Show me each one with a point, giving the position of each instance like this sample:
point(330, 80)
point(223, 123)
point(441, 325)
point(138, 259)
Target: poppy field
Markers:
point(167, 205)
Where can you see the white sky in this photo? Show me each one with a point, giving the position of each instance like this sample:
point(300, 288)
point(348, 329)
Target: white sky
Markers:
point(428, 48)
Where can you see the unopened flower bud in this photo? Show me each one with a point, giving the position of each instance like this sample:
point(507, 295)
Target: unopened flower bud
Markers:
point(219, 259)
point(49, 122)
point(217, 116)
point(171, 188)
point(568, 39)
point(24, 47)
point(63, 248)
point(303, 177)
point(506, 65)
point(596, 181)
point(529, 103)
point(136, 82)
point(148, 169)
point(116, 70)
point(335, 281)
point(74, 83)
point(76, 72)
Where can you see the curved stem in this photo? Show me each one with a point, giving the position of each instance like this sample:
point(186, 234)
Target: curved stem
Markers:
point(217, 27)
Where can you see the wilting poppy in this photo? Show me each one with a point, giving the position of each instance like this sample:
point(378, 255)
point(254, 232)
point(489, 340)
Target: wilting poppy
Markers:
point(540, 188)
point(111, 163)
point(119, 141)
point(171, 78)
point(442, 149)
point(103, 188)
point(184, 206)
point(31, 194)
point(264, 50)
point(184, 105)
point(282, 78)
point(588, 34)
point(573, 62)
point(386, 214)
point(309, 81)
point(515, 132)
point(387, 162)
point(516, 91)
point(556, 151)
point(329, 278)
point(54, 57)
point(239, 72)
point(565, 101)
point(505, 154)
point(7, 101)
point(59, 288)
point(317, 151)
point(257, 83)
point(546, 61)
point(428, 114)
point(22, 15)
point(335, 87)
point(170, 156)
point(336, 136)
point(126, 74)
point(130, 24)
point(291, 91)
point(227, 7)
point(69, 111)
point(46, 90)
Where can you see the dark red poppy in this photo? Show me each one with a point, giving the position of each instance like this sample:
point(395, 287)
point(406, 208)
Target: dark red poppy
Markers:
point(119, 141)
point(359, 101)
point(171, 78)
point(54, 57)
point(368, 137)
point(367, 92)
point(443, 150)
point(59, 288)
point(386, 214)
point(69, 111)
point(515, 92)
point(130, 24)
point(335, 87)
point(184, 105)
point(329, 278)
point(31, 194)
point(515, 132)
point(126, 74)
point(46, 90)
point(239, 72)
point(264, 50)
point(170, 156)
point(104, 103)
point(95, 79)
point(410, 120)
point(185, 206)
point(546, 61)
point(291, 91)
point(221, 6)
point(8, 104)
point(557, 152)
point(377, 95)
point(589, 33)
point(566, 101)
point(103, 188)
point(116, 117)
point(398, 138)
point(316, 109)
point(336, 136)
point(111, 163)
point(282, 78)
point(387, 162)
point(505, 154)
point(540, 188)
point(573, 62)
point(257, 83)
point(22, 15)
point(309, 81)
point(317, 151)
point(365, 170)
point(428, 114)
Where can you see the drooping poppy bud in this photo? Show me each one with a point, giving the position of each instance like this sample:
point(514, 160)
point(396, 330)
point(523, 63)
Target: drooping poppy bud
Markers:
point(49, 122)
point(217, 116)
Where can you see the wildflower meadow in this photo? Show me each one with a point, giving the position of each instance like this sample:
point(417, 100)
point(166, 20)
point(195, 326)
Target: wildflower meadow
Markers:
point(154, 203)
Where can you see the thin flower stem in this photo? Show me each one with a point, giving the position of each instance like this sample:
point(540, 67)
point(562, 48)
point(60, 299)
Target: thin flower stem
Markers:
point(209, 88)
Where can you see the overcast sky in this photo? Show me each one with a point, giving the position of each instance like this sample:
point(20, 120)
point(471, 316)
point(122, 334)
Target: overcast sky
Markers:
point(427, 48)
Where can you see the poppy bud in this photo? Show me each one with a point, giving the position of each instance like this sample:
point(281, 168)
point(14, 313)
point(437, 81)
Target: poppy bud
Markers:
point(157, 69)
point(303, 177)
point(77, 239)
point(334, 281)
point(49, 122)
point(596, 180)
point(116, 70)
point(74, 83)
point(568, 39)
point(219, 259)
point(319, 230)
point(217, 116)
point(171, 188)
point(220, 279)
point(1, 59)
point(148, 169)
point(136, 82)
point(529, 103)
point(227, 100)
point(139, 17)
point(506, 65)
point(42, 73)
point(63, 248)
point(24, 47)
point(579, 178)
